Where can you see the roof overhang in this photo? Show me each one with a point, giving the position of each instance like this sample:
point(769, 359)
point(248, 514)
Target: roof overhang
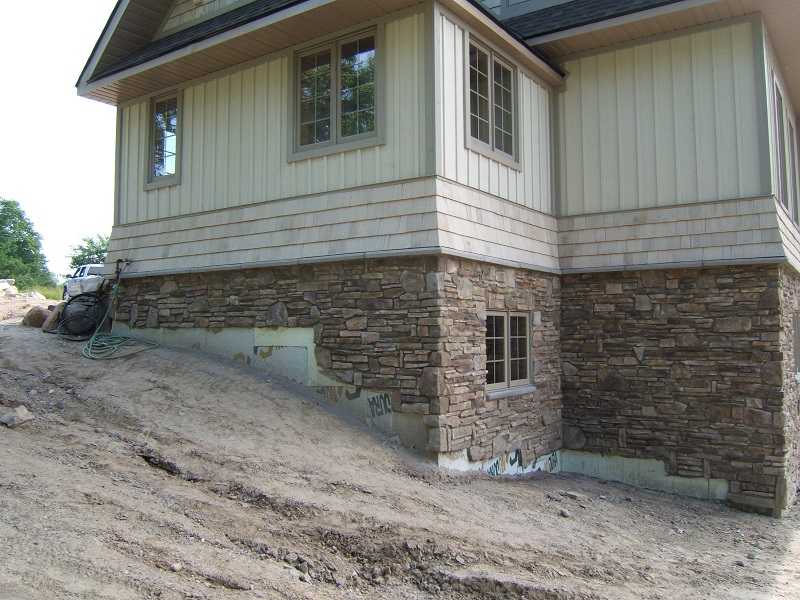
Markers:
point(186, 55)
point(485, 22)
point(116, 74)
point(781, 19)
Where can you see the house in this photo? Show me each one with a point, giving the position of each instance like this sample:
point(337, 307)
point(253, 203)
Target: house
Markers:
point(518, 234)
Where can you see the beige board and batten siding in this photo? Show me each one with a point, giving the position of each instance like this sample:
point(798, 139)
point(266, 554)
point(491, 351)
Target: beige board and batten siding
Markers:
point(530, 184)
point(188, 12)
point(673, 120)
point(236, 128)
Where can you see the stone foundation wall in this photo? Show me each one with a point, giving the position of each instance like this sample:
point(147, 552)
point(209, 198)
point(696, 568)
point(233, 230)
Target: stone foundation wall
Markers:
point(790, 307)
point(684, 366)
point(414, 327)
point(489, 426)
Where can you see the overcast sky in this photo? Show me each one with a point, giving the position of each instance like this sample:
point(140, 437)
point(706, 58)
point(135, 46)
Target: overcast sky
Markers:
point(56, 149)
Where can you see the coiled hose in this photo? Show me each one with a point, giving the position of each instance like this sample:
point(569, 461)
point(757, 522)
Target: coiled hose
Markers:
point(105, 346)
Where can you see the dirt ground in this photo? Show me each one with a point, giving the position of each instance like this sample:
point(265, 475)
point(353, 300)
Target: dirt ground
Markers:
point(171, 474)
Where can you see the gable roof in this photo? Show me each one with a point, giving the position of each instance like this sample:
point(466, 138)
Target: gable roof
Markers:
point(575, 14)
point(130, 61)
point(204, 30)
point(243, 33)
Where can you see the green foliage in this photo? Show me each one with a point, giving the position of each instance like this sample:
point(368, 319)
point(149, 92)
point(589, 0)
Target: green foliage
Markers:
point(92, 250)
point(21, 255)
point(48, 291)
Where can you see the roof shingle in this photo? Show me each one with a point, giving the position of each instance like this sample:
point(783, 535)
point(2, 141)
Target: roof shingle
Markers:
point(185, 37)
point(575, 14)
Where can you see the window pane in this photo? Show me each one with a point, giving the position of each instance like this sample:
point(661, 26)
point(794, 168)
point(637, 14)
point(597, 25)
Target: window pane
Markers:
point(358, 88)
point(165, 140)
point(503, 110)
point(495, 349)
point(315, 98)
point(518, 343)
point(479, 94)
point(781, 141)
point(792, 166)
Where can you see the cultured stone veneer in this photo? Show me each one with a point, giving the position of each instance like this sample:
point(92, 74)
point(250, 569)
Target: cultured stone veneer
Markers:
point(414, 328)
point(685, 366)
point(790, 307)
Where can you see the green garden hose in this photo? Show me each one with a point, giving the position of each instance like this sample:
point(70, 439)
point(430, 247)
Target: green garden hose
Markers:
point(105, 346)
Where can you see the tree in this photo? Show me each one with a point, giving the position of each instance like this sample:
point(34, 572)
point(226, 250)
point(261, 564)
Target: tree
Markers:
point(21, 255)
point(92, 250)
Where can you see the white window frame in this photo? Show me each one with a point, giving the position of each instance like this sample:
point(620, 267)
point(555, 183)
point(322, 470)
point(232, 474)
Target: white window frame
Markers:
point(338, 143)
point(153, 181)
point(475, 144)
point(508, 382)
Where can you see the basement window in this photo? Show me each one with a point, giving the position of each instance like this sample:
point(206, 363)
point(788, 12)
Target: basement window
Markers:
point(507, 350)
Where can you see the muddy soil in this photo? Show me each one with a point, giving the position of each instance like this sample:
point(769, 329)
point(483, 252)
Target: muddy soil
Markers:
point(171, 474)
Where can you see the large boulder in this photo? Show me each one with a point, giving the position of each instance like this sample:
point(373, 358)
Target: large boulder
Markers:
point(36, 316)
point(51, 323)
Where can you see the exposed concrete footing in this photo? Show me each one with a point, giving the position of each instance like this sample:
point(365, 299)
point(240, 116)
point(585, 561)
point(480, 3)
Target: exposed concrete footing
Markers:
point(643, 473)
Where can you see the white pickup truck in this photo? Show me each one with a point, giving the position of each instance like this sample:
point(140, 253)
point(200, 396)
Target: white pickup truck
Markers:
point(85, 278)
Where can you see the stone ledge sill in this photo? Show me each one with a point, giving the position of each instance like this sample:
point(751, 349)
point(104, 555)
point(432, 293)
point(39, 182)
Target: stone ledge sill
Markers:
point(510, 392)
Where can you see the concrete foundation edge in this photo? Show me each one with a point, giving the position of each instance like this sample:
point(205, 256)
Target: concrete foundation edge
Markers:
point(643, 473)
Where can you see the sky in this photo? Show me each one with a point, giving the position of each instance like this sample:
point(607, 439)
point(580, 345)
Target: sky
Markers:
point(56, 149)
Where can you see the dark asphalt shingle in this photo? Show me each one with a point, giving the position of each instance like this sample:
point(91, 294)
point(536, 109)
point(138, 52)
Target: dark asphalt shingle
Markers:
point(548, 20)
point(575, 14)
point(180, 39)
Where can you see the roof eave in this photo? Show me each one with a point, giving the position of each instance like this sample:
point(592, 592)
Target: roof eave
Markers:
point(472, 12)
point(600, 24)
point(102, 42)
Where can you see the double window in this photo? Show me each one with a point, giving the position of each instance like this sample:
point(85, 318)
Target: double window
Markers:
point(336, 93)
point(507, 350)
point(164, 141)
point(491, 102)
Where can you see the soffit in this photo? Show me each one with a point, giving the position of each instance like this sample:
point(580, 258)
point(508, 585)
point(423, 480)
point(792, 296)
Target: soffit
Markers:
point(298, 23)
point(781, 18)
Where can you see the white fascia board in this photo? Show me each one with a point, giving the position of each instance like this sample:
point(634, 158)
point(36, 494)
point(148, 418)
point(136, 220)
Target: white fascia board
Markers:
point(102, 44)
point(282, 15)
point(622, 20)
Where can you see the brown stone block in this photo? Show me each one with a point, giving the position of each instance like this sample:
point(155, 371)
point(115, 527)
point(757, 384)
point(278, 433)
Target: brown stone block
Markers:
point(672, 408)
point(753, 416)
point(459, 433)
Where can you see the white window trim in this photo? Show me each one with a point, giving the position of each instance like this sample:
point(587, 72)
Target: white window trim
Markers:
point(152, 182)
point(474, 144)
point(517, 385)
point(337, 144)
point(785, 169)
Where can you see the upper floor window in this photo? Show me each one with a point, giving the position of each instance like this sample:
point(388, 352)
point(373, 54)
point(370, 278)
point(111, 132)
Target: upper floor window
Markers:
point(491, 102)
point(164, 140)
point(507, 356)
point(786, 158)
point(336, 93)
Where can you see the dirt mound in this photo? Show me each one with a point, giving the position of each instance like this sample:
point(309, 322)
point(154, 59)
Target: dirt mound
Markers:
point(170, 474)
